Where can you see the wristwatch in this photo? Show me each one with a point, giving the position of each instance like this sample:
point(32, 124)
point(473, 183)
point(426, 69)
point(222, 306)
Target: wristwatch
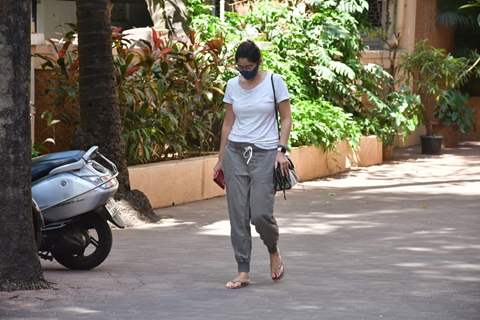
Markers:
point(281, 148)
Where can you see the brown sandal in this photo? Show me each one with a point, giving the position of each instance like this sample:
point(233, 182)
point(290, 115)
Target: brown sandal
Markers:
point(237, 284)
point(278, 276)
point(279, 271)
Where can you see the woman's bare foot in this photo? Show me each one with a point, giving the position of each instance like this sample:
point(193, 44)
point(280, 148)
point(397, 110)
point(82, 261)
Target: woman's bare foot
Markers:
point(276, 266)
point(241, 281)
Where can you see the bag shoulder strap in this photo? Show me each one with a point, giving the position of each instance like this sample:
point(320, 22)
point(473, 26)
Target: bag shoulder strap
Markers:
point(276, 106)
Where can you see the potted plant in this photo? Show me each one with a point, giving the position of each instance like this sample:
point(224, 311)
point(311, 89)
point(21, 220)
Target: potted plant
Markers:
point(453, 112)
point(433, 72)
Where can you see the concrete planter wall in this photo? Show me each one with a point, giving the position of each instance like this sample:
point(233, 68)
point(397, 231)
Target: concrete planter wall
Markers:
point(370, 152)
point(181, 181)
point(412, 139)
point(174, 182)
point(313, 162)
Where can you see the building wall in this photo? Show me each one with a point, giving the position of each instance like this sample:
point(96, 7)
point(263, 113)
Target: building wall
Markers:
point(52, 16)
point(406, 16)
point(415, 20)
point(62, 133)
point(403, 26)
point(426, 26)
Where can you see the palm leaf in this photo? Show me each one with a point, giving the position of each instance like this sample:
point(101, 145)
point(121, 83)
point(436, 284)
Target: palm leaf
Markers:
point(453, 19)
point(324, 73)
point(342, 69)
point(353, 6)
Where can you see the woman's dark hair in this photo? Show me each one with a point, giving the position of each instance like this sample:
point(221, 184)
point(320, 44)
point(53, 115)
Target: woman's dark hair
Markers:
point(249, 50)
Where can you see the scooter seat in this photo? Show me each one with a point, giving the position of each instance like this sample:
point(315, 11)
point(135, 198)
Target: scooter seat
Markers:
point(42, 165)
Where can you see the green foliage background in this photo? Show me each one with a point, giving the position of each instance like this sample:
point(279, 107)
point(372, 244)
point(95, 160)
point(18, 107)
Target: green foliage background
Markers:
point(316, 46)
point(170, 92)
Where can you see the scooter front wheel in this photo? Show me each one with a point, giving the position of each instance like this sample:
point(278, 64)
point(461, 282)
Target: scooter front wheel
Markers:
point(99, 245)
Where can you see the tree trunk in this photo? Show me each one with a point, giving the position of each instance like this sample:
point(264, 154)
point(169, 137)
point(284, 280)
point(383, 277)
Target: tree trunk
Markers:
point(427, 112)
point(19, 265)
point(170, 16)
point(99, 112)
point(100, 120)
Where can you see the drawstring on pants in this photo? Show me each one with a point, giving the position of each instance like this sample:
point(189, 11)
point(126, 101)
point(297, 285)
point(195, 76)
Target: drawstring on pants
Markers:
point(248, 153)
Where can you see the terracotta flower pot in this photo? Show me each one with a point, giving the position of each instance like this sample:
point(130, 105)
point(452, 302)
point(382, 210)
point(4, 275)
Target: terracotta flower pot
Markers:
point(387, 152)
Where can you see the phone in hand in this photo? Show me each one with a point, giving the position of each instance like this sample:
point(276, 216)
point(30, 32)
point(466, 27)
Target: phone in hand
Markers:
point(219, 179)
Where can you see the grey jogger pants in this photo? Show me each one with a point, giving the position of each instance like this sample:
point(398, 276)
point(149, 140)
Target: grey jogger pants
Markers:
point(250, 195)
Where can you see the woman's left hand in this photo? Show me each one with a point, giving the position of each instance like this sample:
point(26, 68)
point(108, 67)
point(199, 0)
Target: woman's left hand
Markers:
point(282, 162)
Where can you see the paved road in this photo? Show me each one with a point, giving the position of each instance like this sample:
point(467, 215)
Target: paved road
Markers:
point(396, 241)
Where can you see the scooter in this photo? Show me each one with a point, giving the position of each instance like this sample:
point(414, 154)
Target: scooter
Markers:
point(71, 206)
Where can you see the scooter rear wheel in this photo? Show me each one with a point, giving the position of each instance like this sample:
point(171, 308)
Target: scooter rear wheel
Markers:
point(100, 243)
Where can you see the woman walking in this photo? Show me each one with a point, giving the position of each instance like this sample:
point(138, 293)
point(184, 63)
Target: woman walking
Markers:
point(250, 149)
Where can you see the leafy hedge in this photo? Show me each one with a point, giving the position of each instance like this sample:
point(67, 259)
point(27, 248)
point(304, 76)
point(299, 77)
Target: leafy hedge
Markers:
point(170, 93)
point(316, 46)
point(322, 124)
point(170, 96)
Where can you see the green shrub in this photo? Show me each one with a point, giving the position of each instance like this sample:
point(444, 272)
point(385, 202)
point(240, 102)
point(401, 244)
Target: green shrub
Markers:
point(397, 115)
point(321, 124)
point(171, 98)
point(453, 110)
point(315, 45)
point(170, 95)
point(434, 72)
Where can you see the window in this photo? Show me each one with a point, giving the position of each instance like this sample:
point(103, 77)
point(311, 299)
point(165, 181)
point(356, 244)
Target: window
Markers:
point(375, 12)
point(130, 14)
point(381, 17)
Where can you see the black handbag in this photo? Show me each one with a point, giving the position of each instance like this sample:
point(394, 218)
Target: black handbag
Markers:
point(283, 182)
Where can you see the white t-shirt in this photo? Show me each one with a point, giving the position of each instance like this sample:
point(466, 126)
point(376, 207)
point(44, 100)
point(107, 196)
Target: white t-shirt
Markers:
point(255, 111)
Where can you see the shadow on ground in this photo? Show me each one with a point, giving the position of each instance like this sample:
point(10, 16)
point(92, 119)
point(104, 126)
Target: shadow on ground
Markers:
point(396, 241)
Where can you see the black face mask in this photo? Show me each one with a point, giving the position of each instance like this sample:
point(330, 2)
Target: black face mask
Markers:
point(249, 75)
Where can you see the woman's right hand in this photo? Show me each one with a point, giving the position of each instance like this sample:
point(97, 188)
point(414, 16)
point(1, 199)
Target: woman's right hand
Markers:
point(217, 168)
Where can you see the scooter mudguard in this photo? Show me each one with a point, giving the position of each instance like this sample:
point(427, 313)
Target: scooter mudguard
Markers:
point(111, 213)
